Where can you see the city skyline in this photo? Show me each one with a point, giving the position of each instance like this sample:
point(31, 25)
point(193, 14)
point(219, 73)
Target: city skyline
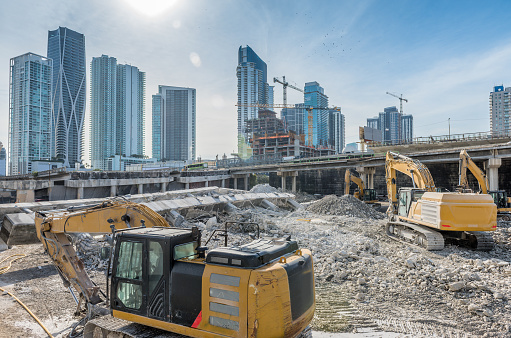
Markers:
point(441, 57)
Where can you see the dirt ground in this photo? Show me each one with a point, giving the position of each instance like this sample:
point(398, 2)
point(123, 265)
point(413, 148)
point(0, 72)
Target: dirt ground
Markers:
point(367, 285)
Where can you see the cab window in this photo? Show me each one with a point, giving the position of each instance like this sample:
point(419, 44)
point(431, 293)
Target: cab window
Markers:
point(185, 250)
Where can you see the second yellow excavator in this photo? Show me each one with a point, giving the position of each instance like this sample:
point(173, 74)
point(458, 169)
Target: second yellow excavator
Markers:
point(424, 217)
point(500, 197)
point(366, 195)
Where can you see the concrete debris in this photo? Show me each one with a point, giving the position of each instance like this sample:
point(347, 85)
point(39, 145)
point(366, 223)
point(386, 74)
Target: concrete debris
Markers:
point(263, 188)
point(346, 205)
point(456, 286)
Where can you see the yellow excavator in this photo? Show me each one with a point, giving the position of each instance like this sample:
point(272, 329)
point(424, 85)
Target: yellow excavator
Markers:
point(366, 195)
point(162, 277)
point(500, 197)
point(424, 217)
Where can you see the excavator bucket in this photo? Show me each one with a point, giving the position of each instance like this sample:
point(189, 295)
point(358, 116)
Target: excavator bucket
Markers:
point(18, 229)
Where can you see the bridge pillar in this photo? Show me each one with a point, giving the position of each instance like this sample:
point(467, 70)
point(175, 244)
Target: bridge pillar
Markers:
point(163, 186)
point(113, 190)
point(245, 179)
point(367, 176)
point(284, 174)
point(187, 185)
point(79, 193)
point(223, 183)
point(140, 188)
point(235, 183)
point(206, 184)
point(492, 172)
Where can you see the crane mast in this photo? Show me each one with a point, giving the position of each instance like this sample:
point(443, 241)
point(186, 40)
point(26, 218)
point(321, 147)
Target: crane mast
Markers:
point(285, 84)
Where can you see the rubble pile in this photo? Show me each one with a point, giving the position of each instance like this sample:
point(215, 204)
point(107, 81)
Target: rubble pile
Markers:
point(88, 250)
point(346, 205)
point(263, 188)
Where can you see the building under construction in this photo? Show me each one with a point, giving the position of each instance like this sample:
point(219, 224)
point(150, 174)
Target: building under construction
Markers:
point(269, 137)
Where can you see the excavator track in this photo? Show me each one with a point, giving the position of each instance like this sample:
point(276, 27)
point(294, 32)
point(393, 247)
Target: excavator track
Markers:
point(415, 234)
point(483, 240)
point(110, 327)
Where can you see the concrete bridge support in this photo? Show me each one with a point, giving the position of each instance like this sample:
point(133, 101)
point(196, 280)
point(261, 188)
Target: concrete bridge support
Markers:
point(367, 176)
point(79, 193)
point(284, 174)
point(163, 186)
point(245, 180)
point(113, 190)
point(140, 188)
point(492, 172)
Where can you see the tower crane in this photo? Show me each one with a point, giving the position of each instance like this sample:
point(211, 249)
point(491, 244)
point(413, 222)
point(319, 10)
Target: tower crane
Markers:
point(401, 99)
point(286, 84)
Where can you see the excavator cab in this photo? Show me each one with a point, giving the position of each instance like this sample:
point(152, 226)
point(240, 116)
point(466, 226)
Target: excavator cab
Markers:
point(147, 277)
point(369, 195)
point(406, 197)
point(499, 198)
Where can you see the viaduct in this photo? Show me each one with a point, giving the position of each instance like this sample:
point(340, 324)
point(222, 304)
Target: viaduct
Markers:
point(323, 175)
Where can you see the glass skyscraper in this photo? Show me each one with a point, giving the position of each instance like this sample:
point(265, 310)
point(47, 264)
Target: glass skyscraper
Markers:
point(30, 83)
point(174, 123)
point(253, 88)
point(104, 120)
point(67, 50)
point(394, 128)
point(314, 96)
point(117, 110)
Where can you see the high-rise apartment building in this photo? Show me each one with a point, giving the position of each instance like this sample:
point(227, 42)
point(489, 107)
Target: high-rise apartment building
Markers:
point(174, 123)
point(130, 109)
point(500, 110)
point(337, 129)
point(314, 96)
point(30, 83)
point(253, 88)
point(117, 110)
point(395, 128)
point(406, 128)
point(67, 50)
point(104, 119)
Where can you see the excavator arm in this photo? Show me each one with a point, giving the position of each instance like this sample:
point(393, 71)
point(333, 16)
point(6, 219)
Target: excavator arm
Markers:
point(467, 163)
point(418, 172)
point(52, 229)
point(348, 178)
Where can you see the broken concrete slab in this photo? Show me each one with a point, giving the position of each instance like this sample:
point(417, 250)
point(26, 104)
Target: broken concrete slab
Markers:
point(3, 246)
point(18, 229)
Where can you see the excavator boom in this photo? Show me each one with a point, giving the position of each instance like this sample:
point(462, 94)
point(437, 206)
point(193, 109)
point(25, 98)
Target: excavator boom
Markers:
point(103, 218)
point(348, 178)
point(467, 163)
point(418, 172)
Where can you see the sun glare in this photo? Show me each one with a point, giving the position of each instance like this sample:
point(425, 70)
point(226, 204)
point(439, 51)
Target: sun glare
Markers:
point(151, 7)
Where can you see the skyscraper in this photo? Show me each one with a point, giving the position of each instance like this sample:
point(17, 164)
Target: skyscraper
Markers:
point(67, 50)
point(294, 118)
point(117, 110)
point(30, 83)
point(337, 129)
point(3, 158)
point(394, 128)
point(130, 109)
point(252, 88)
point(314, 96)
point(406, 128)
point(104, 117)
point(500, 109)
point(174, 123)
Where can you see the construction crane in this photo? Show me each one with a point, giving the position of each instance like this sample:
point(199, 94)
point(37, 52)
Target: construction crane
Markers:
point(401, 99)
point(286, 84)
point(309, 114)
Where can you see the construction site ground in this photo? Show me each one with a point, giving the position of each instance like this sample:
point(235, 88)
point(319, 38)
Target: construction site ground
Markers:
point(367, 285)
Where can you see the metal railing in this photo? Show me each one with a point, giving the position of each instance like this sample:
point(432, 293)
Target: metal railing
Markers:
point(465, 137)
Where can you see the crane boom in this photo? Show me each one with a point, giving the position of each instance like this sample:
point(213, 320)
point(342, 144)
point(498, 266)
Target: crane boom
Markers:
point(286, 84)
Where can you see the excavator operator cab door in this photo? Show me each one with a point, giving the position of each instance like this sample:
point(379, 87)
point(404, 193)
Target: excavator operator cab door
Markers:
point(499, 198)
point(405, 200)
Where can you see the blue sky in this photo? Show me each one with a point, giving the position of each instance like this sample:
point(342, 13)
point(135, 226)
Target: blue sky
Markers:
point(443, 56)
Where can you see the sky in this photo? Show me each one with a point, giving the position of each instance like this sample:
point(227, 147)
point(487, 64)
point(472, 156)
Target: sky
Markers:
point(443, 56)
